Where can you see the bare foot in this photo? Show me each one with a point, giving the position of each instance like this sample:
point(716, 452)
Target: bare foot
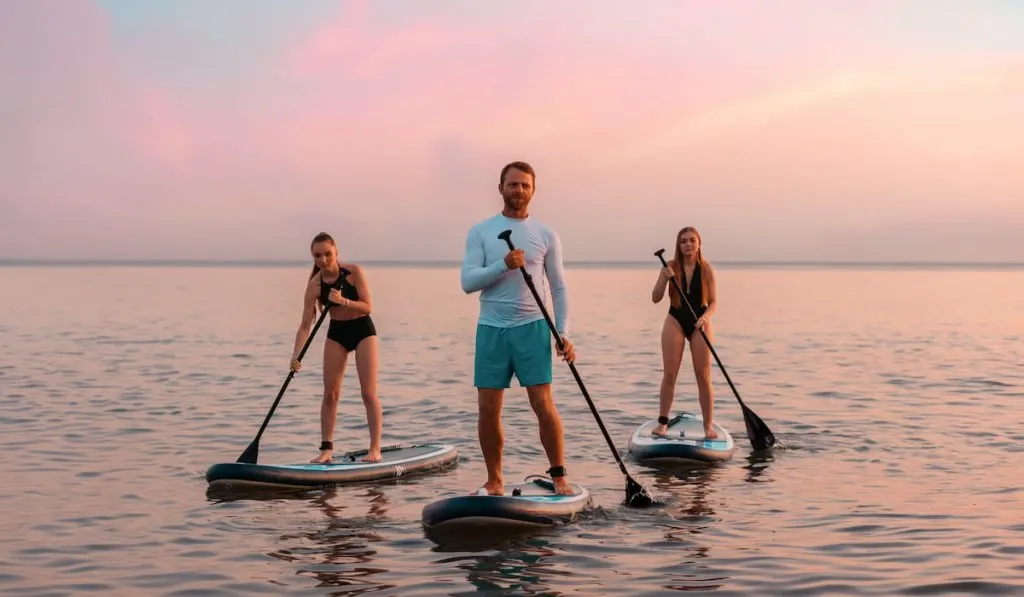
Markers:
point(660, 430)
point(372, 456)
point(494, 488)
point(562, 486)
point(710, 433)
point(324, 457)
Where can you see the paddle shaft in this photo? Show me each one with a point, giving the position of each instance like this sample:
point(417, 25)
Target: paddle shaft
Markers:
point(291, 372)
point(572, 367)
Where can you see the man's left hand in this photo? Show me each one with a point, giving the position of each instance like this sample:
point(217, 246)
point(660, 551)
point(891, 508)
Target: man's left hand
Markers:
point(567, 352)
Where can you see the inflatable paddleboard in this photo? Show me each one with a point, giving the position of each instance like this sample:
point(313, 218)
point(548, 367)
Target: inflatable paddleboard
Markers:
point(683, 442)
point(396, 461)
point(532, 503)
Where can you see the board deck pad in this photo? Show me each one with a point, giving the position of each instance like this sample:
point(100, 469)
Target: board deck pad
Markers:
point(396, 461)
point(388, 455)
point(684, 441)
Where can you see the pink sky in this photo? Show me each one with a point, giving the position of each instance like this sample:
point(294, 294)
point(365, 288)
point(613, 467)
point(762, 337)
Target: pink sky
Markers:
point(793, 130)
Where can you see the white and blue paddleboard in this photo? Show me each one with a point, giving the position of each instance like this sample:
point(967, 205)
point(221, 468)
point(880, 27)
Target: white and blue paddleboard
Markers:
point(532, 503)
point(684, 441)
point(396, 461)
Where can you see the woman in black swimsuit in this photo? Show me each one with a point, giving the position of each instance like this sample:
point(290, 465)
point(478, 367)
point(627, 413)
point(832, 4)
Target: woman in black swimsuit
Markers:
point(351, 329)
point(697, 279)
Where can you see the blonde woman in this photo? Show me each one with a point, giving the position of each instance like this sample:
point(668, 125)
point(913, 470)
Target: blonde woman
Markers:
point(697, 279)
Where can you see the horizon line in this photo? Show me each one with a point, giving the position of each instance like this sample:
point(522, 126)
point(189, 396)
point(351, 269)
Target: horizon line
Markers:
point(457, 263)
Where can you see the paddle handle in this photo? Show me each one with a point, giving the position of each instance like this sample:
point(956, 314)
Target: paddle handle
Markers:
point(507, 237)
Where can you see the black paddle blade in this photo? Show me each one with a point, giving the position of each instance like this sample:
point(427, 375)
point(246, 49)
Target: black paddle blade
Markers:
point(637, 496)
point(761, 438)
point(251, 454)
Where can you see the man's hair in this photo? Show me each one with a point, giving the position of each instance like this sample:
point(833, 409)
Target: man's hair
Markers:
point(522, 167)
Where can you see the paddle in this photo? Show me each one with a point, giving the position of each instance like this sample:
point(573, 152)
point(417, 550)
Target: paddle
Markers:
point(761, 438)
point(251, 454)
point(636, 495)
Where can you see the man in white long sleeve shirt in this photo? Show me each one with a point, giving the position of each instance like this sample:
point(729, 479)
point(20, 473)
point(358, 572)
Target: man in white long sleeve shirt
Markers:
point(512, 336)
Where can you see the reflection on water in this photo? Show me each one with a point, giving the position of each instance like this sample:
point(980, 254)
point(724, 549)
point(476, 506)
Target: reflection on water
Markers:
point(757, 465)
point(342, 553)
point(691, 488)
point(339, 552)
point(521, 567)
point(694, 516)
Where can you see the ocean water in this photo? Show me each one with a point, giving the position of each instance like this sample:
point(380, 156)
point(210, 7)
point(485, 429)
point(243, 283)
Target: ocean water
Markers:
point(896, 394)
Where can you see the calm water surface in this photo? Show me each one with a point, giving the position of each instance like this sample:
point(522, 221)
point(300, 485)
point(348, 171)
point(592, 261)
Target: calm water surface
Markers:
point(896, 396)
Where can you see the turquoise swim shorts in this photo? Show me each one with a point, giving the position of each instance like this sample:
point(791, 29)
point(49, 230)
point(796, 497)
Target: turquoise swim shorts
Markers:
point(523, 350)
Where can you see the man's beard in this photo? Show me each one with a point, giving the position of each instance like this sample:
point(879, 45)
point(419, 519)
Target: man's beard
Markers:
point(515, 201)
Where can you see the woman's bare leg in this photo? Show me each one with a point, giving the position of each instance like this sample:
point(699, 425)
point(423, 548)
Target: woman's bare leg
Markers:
point(701, 356)
point(672, 346)
point(366, 366)
point(335, 358)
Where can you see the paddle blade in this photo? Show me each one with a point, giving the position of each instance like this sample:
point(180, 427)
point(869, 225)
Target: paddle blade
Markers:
point(637, 496)
point(251, 454)
point(761, 438)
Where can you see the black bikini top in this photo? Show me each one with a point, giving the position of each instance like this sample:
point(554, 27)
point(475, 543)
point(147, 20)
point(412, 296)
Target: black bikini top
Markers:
point(348, 290)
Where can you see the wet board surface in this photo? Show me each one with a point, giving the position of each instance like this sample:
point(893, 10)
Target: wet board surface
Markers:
point(532, 502)
point(684, 441)
point(396, 461)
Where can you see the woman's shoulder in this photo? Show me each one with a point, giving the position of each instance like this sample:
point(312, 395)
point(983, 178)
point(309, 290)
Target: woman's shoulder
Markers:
point(313, 284)
point(354, 269)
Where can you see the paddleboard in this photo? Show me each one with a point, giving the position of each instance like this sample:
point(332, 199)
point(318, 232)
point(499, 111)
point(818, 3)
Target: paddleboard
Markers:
point(532, 503)
point(396, 461)
point(684, 441)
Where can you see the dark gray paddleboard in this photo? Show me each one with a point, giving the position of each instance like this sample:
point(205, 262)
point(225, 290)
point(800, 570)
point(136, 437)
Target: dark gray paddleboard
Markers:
point(684, 442)
point(532, 503)
point(396, 461)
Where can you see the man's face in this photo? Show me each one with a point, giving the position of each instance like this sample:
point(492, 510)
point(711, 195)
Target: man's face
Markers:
point(517, 190)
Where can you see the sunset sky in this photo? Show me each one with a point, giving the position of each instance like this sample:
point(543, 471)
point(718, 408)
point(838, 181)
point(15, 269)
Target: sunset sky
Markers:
point(784, 130)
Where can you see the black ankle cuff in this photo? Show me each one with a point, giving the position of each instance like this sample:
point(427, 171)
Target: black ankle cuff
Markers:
point(326, 445)
point(663, 420)
point(556, 471)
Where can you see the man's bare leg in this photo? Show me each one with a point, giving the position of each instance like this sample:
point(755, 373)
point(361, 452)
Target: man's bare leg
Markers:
point(551, 433)
point(492, 440)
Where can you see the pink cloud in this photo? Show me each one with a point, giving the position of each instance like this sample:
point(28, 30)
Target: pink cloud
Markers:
point(352, 45)
point(716, 111)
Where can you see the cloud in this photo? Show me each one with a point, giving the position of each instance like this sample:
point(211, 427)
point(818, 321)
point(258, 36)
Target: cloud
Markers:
point(354, 46)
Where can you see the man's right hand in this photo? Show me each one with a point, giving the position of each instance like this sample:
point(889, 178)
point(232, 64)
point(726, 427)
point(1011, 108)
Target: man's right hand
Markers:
point(515, 259)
